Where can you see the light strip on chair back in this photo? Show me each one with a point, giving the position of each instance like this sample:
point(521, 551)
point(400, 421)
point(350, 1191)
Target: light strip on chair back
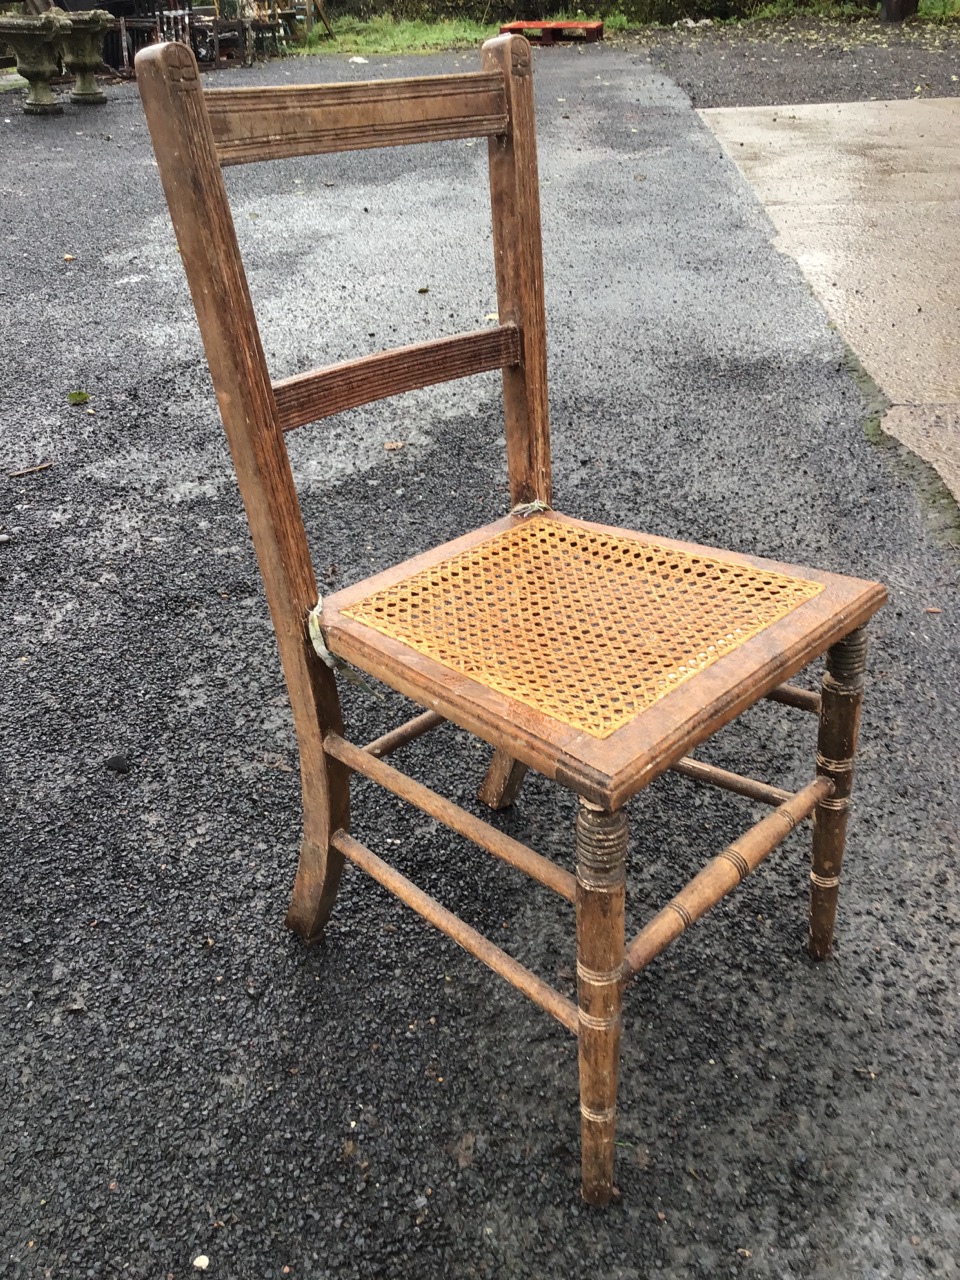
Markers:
point(304, 120)
point(322, 392)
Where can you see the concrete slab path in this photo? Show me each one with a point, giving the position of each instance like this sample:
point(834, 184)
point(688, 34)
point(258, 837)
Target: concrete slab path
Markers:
point(866, 197)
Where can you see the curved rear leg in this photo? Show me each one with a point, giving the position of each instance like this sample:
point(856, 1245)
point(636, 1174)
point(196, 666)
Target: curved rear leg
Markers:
point(503, 780)
point(326, 806)
point(316, 886)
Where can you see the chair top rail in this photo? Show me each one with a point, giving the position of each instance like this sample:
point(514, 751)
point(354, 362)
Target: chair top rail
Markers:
point(300, 120)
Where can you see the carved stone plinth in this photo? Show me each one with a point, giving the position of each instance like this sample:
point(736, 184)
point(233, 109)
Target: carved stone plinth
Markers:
point(35, 42)
point(82, 49)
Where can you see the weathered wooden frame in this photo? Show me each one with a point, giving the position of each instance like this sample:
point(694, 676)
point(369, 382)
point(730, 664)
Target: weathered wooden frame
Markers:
point(193, 135)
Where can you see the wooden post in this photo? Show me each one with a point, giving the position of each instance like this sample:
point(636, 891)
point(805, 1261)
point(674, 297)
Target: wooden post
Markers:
point(515, 204)
point(601, 877)
point(186, 155)
point(518, 253)
point(318, 4)
point(836, 747)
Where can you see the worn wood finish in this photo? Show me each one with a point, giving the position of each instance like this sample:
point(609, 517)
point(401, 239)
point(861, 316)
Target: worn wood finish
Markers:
point(721, 874)
point(601, 881)
point(836, 749)
point(502, 782)
point(494, 957)
point(387, 743)
point(306, 397)
point(791, 696)
point(515, 204)
point(307, 120)
point(713, 776)
point(451, 815)
point(504, 777)
point(183, 142)
point(191, 142)
point(549, 32)
point(611, 770)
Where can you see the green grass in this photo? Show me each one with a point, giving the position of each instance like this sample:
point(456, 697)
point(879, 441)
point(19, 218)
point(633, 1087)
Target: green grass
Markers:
point(389, 35)
point(940, 8)
point(838, 10)
point(385, 35)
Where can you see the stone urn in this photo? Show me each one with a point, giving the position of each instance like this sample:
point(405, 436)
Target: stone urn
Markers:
point(81, 46)
point(35, 41)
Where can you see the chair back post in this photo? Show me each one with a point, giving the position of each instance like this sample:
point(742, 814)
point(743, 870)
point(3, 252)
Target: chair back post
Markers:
point(179, 124)
point(515, 202)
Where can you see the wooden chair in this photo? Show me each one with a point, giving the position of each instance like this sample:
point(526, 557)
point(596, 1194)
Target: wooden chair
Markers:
point(597, 656)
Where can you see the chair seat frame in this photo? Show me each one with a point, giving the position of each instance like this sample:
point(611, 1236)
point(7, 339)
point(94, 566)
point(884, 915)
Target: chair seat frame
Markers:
point(194, 134)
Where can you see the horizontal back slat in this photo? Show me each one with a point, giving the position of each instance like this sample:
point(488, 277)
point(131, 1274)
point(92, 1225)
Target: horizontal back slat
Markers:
point(309, 396)
point(303, 120)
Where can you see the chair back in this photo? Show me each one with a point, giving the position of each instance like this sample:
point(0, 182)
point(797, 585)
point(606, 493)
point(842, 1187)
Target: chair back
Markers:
point(195, 133)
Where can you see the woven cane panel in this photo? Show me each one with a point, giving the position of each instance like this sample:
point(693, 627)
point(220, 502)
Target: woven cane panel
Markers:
point(590, 628)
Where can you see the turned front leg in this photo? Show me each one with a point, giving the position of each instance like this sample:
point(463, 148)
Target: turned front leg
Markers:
point(842, 694)
point(601, 874)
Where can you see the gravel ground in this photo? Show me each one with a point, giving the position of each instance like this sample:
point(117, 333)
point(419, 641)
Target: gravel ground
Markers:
point(180, 1076)
point(761, 64)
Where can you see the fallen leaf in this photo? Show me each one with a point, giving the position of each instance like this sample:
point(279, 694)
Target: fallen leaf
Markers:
point(661, 1216)
point(393, 445)
point(68, 257)
point(425, 289)
point(933, 611)
point(77, 397)
point(744, 1253)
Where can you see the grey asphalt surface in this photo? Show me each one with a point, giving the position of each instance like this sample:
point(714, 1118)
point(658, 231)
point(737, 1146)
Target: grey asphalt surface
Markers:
point(807, 59)
point(180, 1075)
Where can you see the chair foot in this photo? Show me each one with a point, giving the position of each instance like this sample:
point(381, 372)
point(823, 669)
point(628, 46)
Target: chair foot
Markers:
point(842, 695)
point(503, 781)
point(314, 890)
point(601, 861)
